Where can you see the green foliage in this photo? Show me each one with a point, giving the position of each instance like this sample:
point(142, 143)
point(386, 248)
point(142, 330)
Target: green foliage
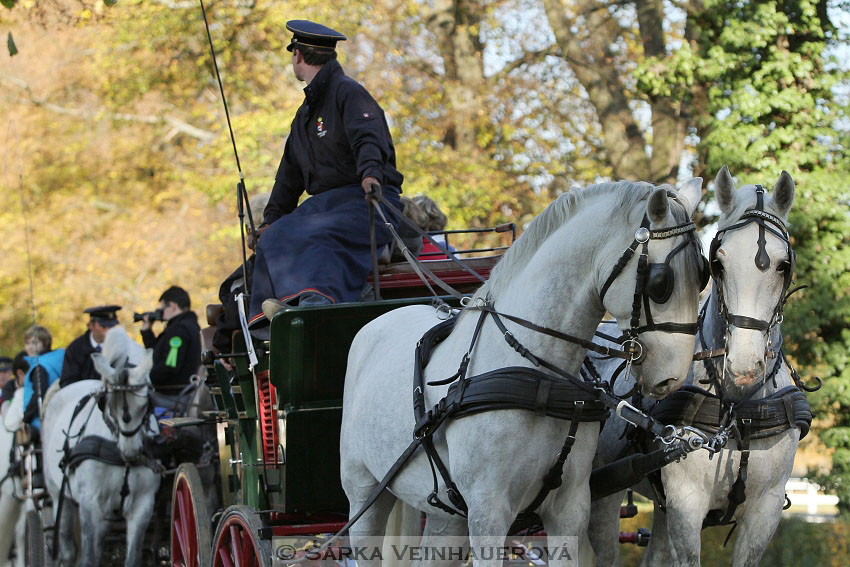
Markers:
point(796, 542)
point(771, 106)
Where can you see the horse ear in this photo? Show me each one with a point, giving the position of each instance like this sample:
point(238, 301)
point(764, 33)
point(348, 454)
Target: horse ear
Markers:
point(724, 190)
point(658, 205)
point(691, 190)
point(103, 368)
point(783, 193)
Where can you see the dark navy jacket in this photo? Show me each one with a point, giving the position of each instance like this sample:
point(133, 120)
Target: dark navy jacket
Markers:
point(176, 352)
point(78, 364)
point(339, 137)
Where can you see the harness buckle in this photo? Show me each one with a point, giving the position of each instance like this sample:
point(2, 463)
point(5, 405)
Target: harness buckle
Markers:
point(631, 346)
point(668, 436)
point(444, 311)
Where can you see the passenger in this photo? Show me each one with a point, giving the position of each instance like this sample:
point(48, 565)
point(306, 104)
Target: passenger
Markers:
point(5, 373)
point(228, 320)
point(339, 145)
point(434, 221)
point(78, 364)
point(45, 369)
point(177, 350)
point(18, 369)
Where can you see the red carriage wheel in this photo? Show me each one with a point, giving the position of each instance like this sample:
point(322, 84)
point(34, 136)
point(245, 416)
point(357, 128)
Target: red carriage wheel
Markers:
point(190, 522)
point(237, 540)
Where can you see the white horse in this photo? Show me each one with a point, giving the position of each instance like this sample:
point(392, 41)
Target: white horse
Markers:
point(752, 287)
point(555, 276)
point(98, 491)
point(12, 503)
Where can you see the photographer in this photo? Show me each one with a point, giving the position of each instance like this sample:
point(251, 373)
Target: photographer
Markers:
point(177, 350)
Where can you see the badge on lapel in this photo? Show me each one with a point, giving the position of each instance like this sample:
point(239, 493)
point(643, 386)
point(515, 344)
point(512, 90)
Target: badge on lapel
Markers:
point(320, 127)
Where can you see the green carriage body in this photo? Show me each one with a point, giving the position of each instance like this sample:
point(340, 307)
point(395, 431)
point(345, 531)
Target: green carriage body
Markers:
point(280, 423)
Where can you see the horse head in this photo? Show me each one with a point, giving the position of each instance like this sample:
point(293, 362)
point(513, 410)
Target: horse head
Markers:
point(752, 264)
point(626, 248)
point(126, 386)
point(654, 296)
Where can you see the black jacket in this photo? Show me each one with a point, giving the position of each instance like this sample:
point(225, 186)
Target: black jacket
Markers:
point(339, 137)
point(176, 352)
point(78, 364)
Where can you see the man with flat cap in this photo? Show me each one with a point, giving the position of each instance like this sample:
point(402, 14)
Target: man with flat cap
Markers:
point(339, 147)
point(78, 364)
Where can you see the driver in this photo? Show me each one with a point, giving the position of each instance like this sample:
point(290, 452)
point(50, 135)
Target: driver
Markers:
point(339, 146)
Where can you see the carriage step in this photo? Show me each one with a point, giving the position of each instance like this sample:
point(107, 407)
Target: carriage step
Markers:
point(181, 421)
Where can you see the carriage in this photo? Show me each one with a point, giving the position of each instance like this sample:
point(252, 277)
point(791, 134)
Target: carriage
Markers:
point(278, 425)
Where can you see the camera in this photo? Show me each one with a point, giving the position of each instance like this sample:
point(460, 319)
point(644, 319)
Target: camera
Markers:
point(155, 315)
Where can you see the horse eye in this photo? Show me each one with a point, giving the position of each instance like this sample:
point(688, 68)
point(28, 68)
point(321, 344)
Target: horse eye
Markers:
point(783, 266)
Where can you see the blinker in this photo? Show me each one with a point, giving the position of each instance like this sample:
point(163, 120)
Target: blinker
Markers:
point(659, 285)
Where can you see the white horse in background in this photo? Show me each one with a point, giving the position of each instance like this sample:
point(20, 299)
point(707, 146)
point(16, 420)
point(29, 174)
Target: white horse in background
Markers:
point(754, 290)
point(94, 488)
point(12, 503)
point(553, 276)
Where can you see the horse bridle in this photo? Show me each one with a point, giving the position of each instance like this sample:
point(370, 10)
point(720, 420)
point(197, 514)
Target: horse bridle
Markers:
point(654, 281)
point(762, 261)
point(125, 389)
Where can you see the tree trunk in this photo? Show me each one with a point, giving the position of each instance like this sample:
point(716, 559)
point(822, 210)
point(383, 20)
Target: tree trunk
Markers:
point(588, 51)
point(455, 24)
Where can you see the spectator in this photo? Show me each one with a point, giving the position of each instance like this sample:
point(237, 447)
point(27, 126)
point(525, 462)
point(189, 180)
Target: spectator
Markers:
point(177, 350)
point(45, 369)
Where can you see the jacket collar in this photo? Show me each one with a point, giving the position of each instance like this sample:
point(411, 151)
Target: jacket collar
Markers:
point(185, 316)
point(319, 85)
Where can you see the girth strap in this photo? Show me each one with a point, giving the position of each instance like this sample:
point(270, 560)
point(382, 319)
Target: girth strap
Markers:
point(554, 478)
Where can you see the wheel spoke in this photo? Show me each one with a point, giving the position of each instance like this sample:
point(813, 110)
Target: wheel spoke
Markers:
point(187, 515)
point(225, 557)
point(178, 554)
point(236, 545)
point(248, 556)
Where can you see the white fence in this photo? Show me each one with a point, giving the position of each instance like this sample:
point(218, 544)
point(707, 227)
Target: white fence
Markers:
point(805, 493)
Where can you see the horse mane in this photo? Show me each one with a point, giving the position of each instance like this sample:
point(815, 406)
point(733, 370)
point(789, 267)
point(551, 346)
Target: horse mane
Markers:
point(625, 194)
point(745, 198)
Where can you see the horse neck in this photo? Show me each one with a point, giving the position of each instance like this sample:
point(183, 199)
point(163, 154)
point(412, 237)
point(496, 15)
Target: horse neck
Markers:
point(711, 332)
point(555, 289)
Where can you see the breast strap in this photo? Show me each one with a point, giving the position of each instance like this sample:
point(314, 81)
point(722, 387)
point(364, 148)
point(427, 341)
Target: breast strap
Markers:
point(768, 416)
